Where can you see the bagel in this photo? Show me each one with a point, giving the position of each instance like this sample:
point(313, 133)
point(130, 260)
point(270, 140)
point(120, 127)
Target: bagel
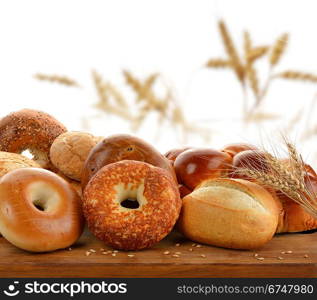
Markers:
point(31, 130)
point(12, 161)
point(131, 205)
point(39, 211)
point(123, 147)
point(70, 150)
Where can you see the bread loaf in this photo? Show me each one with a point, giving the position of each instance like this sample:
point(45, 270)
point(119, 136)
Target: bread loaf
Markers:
point(230, 213)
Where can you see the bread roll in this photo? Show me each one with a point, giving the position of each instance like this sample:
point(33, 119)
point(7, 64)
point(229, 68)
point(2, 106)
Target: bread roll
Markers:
point(230, 213)
point(70, 150)
point(11, 161)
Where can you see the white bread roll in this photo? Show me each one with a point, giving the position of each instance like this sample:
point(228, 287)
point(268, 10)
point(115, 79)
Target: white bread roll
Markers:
point(230, 213)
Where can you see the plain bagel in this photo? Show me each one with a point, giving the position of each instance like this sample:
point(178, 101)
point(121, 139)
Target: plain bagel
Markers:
point(39, 211)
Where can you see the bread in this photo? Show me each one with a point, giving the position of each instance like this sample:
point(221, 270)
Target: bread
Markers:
point(196, 165)
point(122, 147)
point(32, 130)
point(70, 150)
point(11, 161)
point(131, 205)
point(39, 211)
point(230, 213)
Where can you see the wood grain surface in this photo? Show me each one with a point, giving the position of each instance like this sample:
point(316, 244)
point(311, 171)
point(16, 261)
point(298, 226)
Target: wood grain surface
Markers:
point(289, 255)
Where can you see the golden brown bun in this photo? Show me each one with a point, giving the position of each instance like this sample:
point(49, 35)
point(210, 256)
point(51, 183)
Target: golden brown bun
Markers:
point(31, 130)
point(193, 166)
point(70, 150)
point(236, 148)
point(39, 211)
point(230, 213)
point(12, 161)
point(122, 147)
point(146, 218)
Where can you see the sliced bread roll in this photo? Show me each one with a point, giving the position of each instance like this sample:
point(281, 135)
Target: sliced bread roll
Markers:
point(230, 213)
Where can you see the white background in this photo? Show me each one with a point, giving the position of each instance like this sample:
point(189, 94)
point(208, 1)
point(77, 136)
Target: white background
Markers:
point(173, 37)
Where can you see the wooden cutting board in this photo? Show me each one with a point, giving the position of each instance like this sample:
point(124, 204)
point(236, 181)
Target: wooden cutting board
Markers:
point(184, 260)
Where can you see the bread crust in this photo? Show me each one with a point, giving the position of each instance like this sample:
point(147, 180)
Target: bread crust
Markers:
point(225, 220)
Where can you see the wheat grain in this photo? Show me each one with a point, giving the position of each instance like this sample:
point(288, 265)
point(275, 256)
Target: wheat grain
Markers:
point(61, 79)
point(278, 49)
point(288, 179)
point(247, 44)
point(218, 63)
point(297, 75)
point(256, 53)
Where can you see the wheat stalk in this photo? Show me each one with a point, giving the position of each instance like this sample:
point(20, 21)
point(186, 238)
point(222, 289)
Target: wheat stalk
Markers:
point(61, 79)
point(278, 49)
point(231, 50)
point(288, 179)
point(296, 75)
point(253, 79)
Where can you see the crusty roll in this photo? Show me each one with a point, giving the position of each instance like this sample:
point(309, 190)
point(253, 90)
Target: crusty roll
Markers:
point(230, 213)
point(39, 211)
point(70, 150)
point(11, 161)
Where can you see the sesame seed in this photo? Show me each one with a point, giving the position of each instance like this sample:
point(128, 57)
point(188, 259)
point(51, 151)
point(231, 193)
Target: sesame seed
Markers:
point(255, 255)
point(92, 250)
point(177, 245)
point(190, 249)
point(104, 253)
point(102, 249)
point(289, 252)
point(203, 255)
point(87, 253)
point(280, 257)
point(166, 252)
point(198, 246)
point(70, 249)
point(283, 252)
point(113, 254)
point(130, 255)
point(178, 252)
point(175, 255)
point(115, 251)
point(193, 245)
point(305, 256)
point(260, 258)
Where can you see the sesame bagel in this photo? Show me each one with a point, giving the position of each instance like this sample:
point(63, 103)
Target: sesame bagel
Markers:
point(131, 205)
point(31, 130)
